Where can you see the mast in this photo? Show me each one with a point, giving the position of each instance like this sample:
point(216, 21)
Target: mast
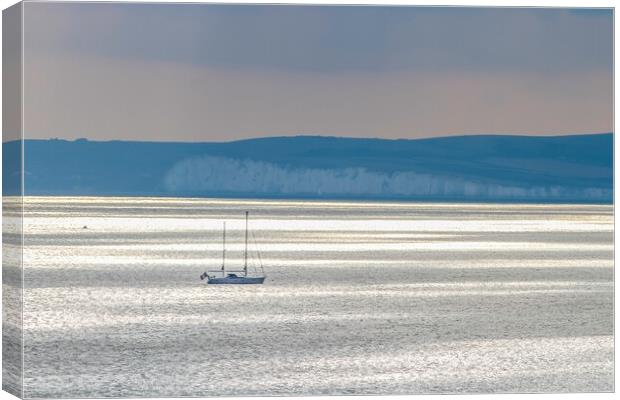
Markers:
point(245, 261)
point(224, 250)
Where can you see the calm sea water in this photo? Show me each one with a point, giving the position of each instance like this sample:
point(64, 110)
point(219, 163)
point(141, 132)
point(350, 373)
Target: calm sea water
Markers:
point(361, 298)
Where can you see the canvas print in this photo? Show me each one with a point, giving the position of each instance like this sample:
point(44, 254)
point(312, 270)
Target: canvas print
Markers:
point(287, 200)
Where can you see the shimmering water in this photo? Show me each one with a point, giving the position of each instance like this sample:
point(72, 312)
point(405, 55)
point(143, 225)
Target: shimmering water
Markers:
point(361, 298)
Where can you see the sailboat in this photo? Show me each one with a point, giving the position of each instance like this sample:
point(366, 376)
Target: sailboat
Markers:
point(230, 277)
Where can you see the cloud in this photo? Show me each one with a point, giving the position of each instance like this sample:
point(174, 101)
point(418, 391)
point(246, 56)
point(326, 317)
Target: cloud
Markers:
point(192, 72)
point(327, 39)
point(123, 99)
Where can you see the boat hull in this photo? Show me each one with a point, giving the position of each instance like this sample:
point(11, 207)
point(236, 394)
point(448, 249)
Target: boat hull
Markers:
point(239, 280)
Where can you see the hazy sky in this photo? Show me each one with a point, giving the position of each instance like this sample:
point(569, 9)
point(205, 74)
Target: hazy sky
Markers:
point(191, 72)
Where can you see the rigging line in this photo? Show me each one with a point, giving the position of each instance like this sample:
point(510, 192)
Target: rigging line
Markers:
point(257, 256)
point(254, 265)
point(260, 260)
point(253, 254)
point(253, 258)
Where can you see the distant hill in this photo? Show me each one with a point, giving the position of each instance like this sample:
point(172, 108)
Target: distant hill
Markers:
point(482, 168)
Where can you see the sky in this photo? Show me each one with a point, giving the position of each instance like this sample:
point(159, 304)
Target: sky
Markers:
point(196, 72)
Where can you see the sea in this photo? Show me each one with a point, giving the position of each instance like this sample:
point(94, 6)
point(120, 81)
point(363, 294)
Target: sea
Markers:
point(360, 298)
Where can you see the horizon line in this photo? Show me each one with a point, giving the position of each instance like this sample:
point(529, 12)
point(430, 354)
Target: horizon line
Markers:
point(308, 135)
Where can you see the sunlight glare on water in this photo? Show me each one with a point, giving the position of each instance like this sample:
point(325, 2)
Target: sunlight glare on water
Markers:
point(360, 298)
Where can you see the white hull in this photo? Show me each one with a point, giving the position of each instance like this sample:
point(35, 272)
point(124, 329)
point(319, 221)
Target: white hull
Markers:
point(236, 280)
